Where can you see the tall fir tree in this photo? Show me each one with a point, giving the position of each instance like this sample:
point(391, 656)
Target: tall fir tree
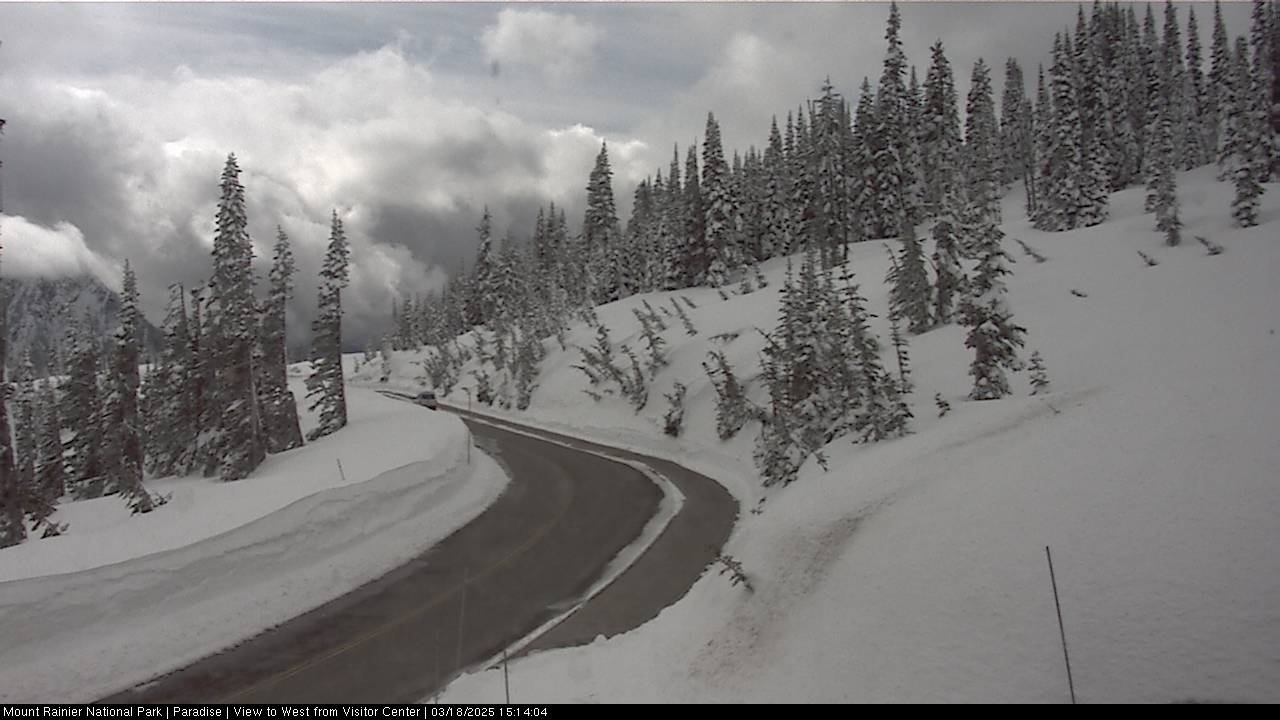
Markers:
point(695, 237)
point(1153, 94)
point(1195, 137)
point(601, 232)
point(891, 178)
point(279, 408)
point(910, 295)
point(81, 412)
point(13, 529)
point(1095, 127)
point(1017, 155)
point(720, 253)
point(231, 315)
point(25, 429)
point(174, 389)
point(1062, 165)
point(940, 132)
point(774, 215)
point(1242, 142)
point(480, 295)
point(1261, 35)
point(325, 383)
point(981, 154)
point(1173, 75)
point(950, 283)
point(123, 453)
point(1165, 183)
point(1220, 87)
point(993, 336)
point(1042, 124)
point(831, 227)
point(50, 470)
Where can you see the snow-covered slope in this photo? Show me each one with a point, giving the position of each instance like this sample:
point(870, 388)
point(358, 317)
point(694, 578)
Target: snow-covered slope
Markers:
point(120, 599)
point(914, 569)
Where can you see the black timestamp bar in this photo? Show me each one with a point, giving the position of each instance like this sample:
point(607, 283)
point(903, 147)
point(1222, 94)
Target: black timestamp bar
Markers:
point(296, 711)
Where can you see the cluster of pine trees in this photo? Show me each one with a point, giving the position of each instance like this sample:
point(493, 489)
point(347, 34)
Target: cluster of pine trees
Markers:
point(1123, 104)
point(215, 401)
point(1128, 103)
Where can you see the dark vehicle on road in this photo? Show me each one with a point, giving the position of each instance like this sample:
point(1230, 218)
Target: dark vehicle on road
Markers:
point(427, 399)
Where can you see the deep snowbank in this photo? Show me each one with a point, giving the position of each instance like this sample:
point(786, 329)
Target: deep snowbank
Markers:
point(80, 635)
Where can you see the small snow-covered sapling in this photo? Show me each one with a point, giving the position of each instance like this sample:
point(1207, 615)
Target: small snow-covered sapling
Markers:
point(1210, 246)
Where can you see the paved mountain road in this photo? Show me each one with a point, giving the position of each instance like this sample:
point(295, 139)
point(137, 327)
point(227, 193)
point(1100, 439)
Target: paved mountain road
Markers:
point(566, 513)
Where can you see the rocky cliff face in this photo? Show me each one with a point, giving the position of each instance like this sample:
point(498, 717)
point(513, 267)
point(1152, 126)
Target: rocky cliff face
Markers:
point(39, 312)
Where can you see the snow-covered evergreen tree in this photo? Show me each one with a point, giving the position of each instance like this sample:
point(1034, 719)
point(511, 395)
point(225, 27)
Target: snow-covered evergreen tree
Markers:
point(1095, 127)
point(1218, 87)
point(993, 336)
point(950, 281)
point(231, 315)
point(25, 430)
point(1165, 184)
point(480, 291)
point(279, 409)
point(50, 480)
point(1017, 156)
point(1243, 143)
point(122, 448)
point(13, 530)
point(172, 385)
point(673, 418)
point(1196, 136)
point(910, 295)
point(940, 132)
point(1042, 123)
point(981, 155)
point(1262, 88)
point(601, 232)
point(81, 414)
point(1063, 165)
point(733, 410)
point(325, 383)
point(720, 252)
point(1173, 74)
point(830, 225)
point(1038, 373)
point(890, 179)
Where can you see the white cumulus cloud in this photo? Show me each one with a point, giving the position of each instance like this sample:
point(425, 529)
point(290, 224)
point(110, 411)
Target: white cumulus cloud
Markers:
point(33, 250)
point(558, 45)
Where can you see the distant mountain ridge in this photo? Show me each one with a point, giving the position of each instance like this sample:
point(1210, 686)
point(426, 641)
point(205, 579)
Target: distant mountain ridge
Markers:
point(39, 312)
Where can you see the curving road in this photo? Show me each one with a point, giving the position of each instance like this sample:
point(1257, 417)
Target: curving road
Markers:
point(532, 554)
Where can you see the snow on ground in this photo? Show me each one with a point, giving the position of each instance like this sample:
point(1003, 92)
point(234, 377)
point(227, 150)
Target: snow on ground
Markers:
point(914, 570)
point(121, 599)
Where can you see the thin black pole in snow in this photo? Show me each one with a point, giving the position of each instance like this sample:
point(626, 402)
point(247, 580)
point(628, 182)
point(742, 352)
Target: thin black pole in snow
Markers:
point(1061, 630)
point(506, 677)
point(340, 473)
point(462, 614)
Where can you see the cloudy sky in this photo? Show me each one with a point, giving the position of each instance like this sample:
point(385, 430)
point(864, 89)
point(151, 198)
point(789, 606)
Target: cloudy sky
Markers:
point(407, 118)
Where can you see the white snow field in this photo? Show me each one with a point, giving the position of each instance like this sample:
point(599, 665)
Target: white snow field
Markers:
point(914, 569)
point(120, 599)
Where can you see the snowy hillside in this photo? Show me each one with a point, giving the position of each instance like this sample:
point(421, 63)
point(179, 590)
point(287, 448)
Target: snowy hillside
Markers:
point(914, 569)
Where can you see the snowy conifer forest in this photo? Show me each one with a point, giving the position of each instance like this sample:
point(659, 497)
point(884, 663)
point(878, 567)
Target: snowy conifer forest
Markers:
point(917, 337)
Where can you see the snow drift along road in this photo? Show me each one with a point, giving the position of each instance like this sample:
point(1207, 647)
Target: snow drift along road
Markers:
point(79, 636)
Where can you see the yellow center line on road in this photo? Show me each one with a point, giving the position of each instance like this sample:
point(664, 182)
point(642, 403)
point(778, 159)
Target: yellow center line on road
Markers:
point(416, 612)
